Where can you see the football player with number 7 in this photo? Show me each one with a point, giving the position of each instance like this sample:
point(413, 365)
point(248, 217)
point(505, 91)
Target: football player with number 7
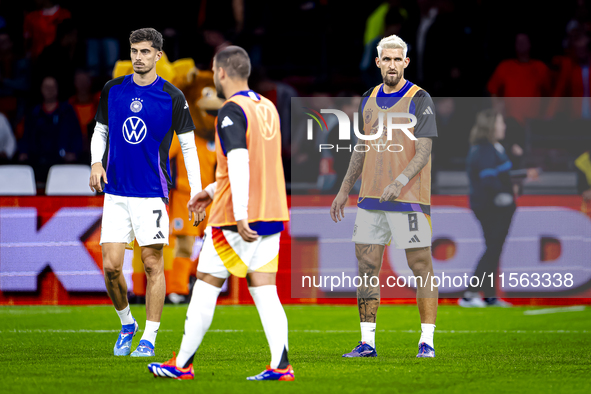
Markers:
point(137, 117)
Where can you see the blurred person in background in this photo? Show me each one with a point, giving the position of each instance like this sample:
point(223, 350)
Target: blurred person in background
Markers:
point(62, 58)
point(491, 200)
point(52, 133)
point(384, 21)
point(14, 79)
point(7, 140)
point(520, 77)
point(583, 169)
point(85, 104)
point(40, 26)
point(517, 86)
point(430, 29)
point(573, 81)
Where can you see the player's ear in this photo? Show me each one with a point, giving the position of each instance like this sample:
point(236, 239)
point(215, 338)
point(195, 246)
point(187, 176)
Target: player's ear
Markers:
point(406, 62)
point(378, 62)
point(158, 55)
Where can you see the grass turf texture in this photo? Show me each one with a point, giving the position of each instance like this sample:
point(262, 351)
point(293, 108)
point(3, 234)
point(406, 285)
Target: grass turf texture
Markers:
point(70, 349)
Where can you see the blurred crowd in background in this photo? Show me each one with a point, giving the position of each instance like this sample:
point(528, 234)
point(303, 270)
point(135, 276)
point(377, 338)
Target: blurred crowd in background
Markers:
point(55, 56)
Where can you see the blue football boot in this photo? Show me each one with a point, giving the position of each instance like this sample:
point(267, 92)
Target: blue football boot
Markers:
point(274, 374)
point(144, 349)
point(362, 350)
point(425, 351)
point(123, 344)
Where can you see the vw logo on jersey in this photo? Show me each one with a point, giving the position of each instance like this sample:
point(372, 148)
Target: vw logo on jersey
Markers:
point(134, 130)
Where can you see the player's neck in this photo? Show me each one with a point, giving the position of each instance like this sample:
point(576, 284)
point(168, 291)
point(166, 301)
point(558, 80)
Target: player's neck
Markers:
point(145, 79)
point(234, 88)
point(394, 89)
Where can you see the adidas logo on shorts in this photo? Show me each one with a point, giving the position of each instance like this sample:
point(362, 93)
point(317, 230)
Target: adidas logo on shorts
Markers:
point(159, 235)
point(414, 239)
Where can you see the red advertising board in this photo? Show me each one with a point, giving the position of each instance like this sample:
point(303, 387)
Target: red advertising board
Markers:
point(50, 252)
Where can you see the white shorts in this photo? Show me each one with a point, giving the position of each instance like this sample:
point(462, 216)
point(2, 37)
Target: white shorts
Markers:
point(225, 252)
point(406, 229)
point(126, 218)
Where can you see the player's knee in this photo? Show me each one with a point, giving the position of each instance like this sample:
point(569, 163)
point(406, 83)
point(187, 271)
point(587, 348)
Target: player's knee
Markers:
point(111, 271)
point(420, 267)
point(153, 267)
point(367, 265)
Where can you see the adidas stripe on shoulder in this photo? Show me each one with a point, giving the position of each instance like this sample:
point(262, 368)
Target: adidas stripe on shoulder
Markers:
point(428, 111)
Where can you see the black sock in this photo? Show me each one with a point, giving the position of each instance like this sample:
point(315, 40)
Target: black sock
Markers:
point(284, 363)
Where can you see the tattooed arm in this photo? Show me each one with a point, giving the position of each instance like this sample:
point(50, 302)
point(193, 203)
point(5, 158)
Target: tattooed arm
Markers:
point(353, 172)
point(337, 209)
point(420, 159)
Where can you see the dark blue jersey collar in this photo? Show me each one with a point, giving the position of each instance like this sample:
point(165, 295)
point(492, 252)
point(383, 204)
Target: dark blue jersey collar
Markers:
point(247, 93)
point(399, 93)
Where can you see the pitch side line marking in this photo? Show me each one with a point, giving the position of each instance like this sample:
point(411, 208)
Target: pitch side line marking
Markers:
point(576, 308)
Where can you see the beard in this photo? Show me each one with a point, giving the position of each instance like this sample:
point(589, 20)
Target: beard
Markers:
point(218, 89)
point(141, 71)
point(391, 81)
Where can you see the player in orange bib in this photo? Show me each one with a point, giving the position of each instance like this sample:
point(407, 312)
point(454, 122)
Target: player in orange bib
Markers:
point(180, 226)
point(200, 92)
point(246, 219)
point(395, 196)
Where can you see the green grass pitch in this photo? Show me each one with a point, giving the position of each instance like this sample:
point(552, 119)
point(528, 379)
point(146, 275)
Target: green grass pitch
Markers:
point(70, 350)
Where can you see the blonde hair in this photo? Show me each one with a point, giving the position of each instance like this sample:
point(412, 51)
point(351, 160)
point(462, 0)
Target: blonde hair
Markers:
point(392, 42)
point(484, 128)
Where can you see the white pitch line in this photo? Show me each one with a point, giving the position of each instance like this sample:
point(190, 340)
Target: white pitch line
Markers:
point(58, 331)
point(576, 308)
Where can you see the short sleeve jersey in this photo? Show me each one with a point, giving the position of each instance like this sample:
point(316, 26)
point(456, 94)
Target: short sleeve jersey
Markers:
point(142, 121)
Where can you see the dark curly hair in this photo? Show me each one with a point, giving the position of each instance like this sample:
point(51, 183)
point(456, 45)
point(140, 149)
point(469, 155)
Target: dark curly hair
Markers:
point(147, 34)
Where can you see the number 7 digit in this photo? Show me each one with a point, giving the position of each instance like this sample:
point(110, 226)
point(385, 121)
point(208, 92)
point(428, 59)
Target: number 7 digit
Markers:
point(159, 213)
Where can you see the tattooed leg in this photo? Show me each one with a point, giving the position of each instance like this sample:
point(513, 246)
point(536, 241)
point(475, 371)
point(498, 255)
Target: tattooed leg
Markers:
point(368, 297)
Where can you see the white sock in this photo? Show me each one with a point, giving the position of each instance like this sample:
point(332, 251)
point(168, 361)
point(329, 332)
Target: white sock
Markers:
point(274, 320)
point(151, 331)
point(125, 316)
point(199, 317)
point(427, 331)
point(368, 334)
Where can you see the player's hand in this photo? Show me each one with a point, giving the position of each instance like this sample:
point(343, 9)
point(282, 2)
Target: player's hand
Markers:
point(391, 192)
point(245, 232)
point(587, 195)
point(337, 209)
point(96, 174)
point(199, 202)
point(199, 217)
